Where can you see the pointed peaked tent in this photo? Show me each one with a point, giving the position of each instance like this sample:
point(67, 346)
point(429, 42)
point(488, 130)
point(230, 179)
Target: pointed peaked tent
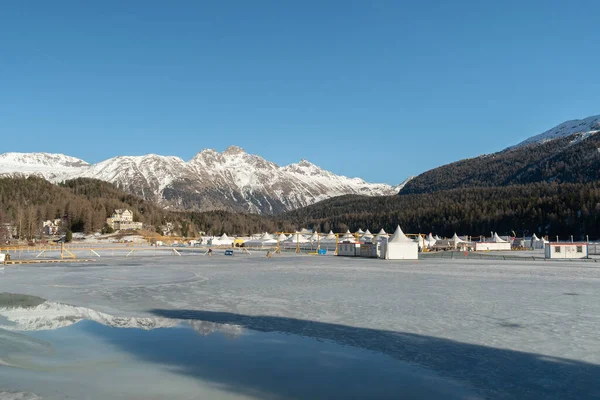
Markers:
point(266, 237)
point(222, 240)
point(420, 240)
point(382, 235)
point(537, 243)
point(266, 240)
point(458, 243)
point(329, 238)
point(497, 239)
point(399, 247)
point(359, 231)
point(367, 237)
point(281, 237)
point(456, 239)
point(297, 238)
point(495, 244)
point(314, 237)
point(348, 237)
point(436, 237)
point(430, 241)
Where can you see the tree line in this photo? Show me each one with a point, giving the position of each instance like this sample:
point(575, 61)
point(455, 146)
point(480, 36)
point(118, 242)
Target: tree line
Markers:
point(541, 208)
point(85, 204)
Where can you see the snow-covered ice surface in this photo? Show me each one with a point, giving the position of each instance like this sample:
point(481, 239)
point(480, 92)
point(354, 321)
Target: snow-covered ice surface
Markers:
point(469, 328)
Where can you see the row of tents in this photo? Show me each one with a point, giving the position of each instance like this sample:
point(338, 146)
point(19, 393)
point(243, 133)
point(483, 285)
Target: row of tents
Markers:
point(431, 242)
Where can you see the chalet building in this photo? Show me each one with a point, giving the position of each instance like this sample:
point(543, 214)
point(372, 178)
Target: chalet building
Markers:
point(123, 220)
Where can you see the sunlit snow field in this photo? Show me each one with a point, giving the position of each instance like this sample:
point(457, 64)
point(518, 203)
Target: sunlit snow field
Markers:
point(300, 327)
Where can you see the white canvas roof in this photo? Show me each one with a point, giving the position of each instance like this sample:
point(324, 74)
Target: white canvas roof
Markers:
point(399, 237)
point(534, 237)
point(359, 231)
point(456, 239)
point(297, 238)
point(224, 237)
point(348, 235)
point(436, 237)
point(281, 237)
point(314, 237)
point(266, 236)
point(382, 235)
point(367, 236)
point(330, 236)
point(497, 239)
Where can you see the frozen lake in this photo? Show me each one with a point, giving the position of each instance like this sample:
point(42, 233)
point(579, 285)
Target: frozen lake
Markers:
point(300, 327)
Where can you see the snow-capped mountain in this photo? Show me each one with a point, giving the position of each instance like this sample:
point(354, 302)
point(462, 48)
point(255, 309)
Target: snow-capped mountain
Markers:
point(53, 167)
point(231, 180)
point(584, 127)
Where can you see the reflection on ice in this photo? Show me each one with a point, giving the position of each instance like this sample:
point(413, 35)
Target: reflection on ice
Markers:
point(28, 313)
point(57, 350)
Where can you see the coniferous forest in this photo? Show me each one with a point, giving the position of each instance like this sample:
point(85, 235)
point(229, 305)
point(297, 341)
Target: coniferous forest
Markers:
point(84, 205)
point(543, 208)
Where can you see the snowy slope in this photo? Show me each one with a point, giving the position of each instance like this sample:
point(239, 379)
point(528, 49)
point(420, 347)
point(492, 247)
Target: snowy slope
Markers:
point(54, 167)
point(232, 180)
point(585, 126)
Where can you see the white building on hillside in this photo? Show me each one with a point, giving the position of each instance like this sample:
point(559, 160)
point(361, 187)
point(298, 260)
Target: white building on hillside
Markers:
point(123, 220)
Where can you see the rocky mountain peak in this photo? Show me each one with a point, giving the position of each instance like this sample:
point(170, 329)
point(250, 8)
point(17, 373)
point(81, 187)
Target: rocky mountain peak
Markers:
point(233, 150)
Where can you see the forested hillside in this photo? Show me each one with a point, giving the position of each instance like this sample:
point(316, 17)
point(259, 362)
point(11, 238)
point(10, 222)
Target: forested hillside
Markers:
point(543, 208)
point(574, 159)
point(86, 203)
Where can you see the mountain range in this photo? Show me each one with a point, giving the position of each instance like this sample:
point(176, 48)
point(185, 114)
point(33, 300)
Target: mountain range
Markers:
point(236, 181)
point(232, 180)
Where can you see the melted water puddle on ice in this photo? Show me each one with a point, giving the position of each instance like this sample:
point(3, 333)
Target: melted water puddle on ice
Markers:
point(60, 351)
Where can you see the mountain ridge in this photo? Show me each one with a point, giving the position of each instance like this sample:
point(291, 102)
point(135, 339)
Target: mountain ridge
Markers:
point(567, 153)
point(587, 125)
point(230, 180)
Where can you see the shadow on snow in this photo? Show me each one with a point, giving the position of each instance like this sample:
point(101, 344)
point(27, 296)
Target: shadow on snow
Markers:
point(492, 372)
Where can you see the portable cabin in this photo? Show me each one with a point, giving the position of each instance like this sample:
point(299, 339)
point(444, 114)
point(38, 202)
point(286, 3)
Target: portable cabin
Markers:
point(566, 250)
point(349, 249)
point(370, 250)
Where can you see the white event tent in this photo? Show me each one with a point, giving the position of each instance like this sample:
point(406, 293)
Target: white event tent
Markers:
point(399, 247)
point(537, 243)
point(223, 240)
point(265, 240)
point(348, 237)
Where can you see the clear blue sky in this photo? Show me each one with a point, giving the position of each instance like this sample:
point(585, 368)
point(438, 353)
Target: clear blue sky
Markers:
point(376, 89)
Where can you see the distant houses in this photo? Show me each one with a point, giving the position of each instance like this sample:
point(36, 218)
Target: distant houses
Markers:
point(51, 226)
point(123, 220)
